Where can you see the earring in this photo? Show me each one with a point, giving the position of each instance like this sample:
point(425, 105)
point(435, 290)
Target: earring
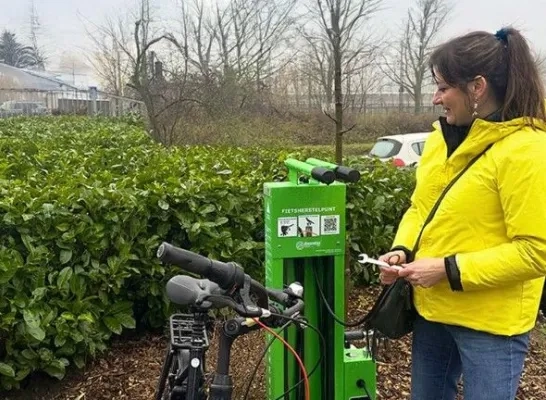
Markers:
point(475, 113)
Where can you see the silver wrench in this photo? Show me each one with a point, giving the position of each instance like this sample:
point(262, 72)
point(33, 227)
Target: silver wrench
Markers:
point(365, 259)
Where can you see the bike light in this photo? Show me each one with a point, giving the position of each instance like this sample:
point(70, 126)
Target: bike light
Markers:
point(296, 289)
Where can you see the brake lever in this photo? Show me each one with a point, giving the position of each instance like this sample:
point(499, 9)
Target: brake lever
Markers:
point(250, 311)
point(244, 293)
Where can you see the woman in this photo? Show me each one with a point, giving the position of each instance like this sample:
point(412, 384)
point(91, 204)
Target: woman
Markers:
point(480, 265)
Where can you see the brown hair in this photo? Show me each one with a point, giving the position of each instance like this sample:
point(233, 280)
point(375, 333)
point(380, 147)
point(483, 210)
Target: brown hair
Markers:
point(504, 60)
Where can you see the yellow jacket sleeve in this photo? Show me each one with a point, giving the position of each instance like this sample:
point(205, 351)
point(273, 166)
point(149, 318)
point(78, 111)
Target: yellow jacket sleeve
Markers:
point(521, 183)
point(406, 235)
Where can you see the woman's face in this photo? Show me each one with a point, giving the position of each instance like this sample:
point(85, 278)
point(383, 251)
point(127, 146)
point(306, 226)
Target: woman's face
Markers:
point(454, 101)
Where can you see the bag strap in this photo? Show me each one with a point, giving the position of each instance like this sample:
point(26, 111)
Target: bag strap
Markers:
point(379, 302)
point(437, 204)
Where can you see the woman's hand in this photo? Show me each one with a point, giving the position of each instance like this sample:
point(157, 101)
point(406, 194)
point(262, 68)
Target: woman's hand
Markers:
point(425, 272)
point(387, 275)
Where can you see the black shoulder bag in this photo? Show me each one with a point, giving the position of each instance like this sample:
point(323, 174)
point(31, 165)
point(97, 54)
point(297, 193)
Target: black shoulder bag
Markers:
point(393, 313)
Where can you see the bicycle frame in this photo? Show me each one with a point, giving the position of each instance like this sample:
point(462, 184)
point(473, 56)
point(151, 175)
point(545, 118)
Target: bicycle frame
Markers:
point(221, 387)
point(187, 333)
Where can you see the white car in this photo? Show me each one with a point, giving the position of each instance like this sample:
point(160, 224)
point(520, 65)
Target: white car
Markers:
point(16, 108)
point(403, 150)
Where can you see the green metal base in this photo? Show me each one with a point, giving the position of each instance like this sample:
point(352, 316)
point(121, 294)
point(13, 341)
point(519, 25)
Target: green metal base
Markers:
point(359, 375)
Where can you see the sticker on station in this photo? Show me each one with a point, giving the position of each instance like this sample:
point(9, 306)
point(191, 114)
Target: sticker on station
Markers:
point(329, 224)
point(308, 225)
point(287, 227)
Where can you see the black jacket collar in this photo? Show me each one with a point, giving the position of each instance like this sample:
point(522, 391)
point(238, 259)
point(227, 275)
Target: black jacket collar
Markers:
point(455, 135)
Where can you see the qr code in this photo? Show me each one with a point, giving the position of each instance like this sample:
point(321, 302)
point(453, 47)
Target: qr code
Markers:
point(330, 225)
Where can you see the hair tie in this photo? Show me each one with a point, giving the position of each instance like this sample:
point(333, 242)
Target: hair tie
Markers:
point(502, 35)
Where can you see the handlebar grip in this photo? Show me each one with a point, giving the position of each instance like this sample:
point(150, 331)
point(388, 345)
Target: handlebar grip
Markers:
point(185, 259)
point(229, 276)
point(347, 174)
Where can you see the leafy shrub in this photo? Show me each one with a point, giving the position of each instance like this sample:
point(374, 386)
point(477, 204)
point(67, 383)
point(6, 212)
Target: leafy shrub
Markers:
point(84, 205)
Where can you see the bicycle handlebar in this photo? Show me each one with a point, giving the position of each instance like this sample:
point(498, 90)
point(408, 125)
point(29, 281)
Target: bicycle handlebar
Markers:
point(223, 280)
point(229, 276)
point(186, 290)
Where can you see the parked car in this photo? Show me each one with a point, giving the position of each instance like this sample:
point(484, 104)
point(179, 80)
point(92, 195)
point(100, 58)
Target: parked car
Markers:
point(15, 108)
point(403, 150)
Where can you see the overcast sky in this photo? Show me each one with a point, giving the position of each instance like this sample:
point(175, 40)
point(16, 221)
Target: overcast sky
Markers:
point(64, 21)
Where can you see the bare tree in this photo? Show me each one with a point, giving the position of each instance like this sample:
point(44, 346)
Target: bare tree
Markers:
point(233, 47)
point(422, 26)
point(362, 81)
point(198, 35)
point(272, 23)
point(320, 67)
point(126, 58)
point(152, 89)
point(340, 22)
point(108, 58)
point(219, 58)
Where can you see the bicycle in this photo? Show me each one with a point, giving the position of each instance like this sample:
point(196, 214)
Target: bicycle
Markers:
point(226, 285)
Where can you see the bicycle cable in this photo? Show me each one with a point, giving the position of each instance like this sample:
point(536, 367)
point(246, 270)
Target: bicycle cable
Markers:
point(262, 356)
point(375, 338)
point(319, 361)
point(330, 311)
point(364, 387)
point(298, 359)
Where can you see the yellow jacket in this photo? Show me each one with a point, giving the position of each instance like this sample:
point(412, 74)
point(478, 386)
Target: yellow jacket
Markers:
point(493, 220)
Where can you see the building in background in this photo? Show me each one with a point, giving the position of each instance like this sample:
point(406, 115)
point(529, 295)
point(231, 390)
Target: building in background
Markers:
point(58, 93)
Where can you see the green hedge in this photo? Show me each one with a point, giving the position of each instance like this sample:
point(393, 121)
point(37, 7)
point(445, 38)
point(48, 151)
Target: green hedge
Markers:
point(84, 205)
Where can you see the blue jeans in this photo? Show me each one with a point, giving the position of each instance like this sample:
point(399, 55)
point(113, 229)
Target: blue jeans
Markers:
point(491, 365)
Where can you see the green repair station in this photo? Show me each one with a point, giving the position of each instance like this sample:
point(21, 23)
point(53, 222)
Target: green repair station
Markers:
point(305, 242)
